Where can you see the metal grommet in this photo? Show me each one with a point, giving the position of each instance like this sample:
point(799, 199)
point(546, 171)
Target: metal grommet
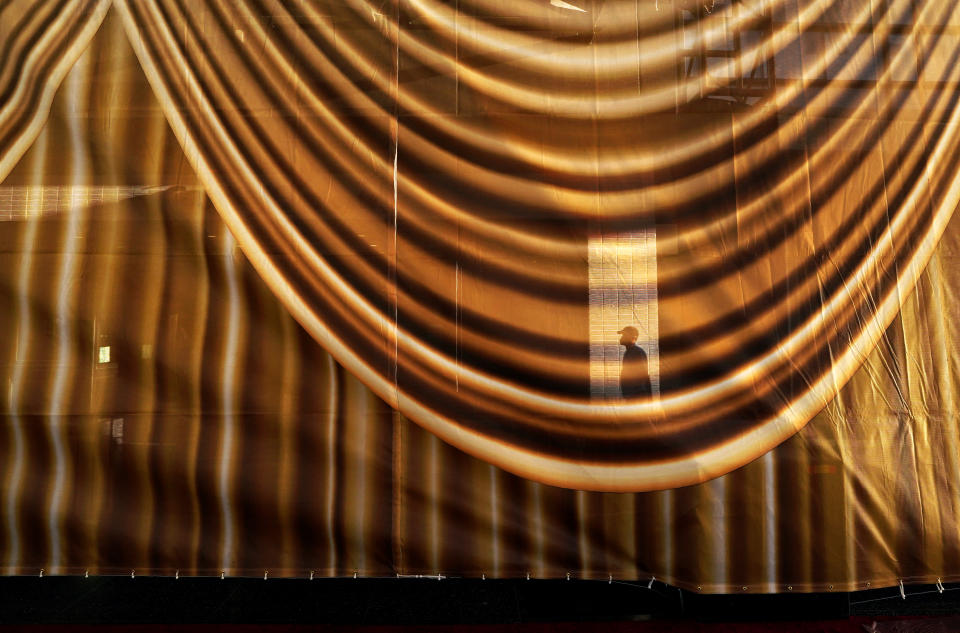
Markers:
point(789, 587)
point(743, 588)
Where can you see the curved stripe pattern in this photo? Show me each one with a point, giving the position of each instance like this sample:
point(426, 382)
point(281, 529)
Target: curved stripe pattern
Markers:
point(419, 186)
point(318, 475)
point(40, 42)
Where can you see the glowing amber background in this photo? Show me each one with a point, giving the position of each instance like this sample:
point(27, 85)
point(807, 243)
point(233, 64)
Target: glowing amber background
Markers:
point(260, 256)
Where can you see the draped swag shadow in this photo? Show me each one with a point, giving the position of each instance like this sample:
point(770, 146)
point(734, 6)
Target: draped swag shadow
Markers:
point(418, 184)
point(419, 190)
point(361, 199)
point(432, 237)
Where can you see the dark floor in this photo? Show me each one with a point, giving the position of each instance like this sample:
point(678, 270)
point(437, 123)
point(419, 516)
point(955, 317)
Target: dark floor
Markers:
point(154, 604)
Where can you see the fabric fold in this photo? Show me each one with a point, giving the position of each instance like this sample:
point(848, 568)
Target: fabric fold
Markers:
point(41, 42)
point(420, 186)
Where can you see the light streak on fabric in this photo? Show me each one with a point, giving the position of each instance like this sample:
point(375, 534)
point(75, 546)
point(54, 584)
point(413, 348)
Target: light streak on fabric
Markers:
point(789, 230)
point(770, 525)
point(18, 203)
point(76, 89)
point(17, 468)
point(331, 465)
point(228, 397)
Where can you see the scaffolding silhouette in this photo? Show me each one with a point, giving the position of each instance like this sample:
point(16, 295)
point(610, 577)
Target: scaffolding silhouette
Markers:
point(754, 77)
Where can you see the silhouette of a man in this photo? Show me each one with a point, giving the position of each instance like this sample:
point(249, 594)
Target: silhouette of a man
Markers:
point(634, 377)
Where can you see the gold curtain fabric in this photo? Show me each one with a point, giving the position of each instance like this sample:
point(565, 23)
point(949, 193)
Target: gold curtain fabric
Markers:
point(40, 42)
point(419, 183)
point(163, 411)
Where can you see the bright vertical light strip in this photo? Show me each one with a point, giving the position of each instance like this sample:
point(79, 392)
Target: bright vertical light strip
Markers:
point(622, 277)
point(396, 206)
point(331, 464)
point(770, 521)
point(76, 88)
point(33, 201)
point(228, 394)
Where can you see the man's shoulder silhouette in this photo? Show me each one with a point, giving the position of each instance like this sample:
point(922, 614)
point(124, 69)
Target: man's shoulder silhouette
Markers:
point(634, 378)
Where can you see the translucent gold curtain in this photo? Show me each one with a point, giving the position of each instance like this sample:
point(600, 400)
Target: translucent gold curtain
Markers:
point(163, 412)
point(421, 183)
point(40, 42)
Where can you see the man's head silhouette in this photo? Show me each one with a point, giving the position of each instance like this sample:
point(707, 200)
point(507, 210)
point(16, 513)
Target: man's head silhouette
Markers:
point(629, 335)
